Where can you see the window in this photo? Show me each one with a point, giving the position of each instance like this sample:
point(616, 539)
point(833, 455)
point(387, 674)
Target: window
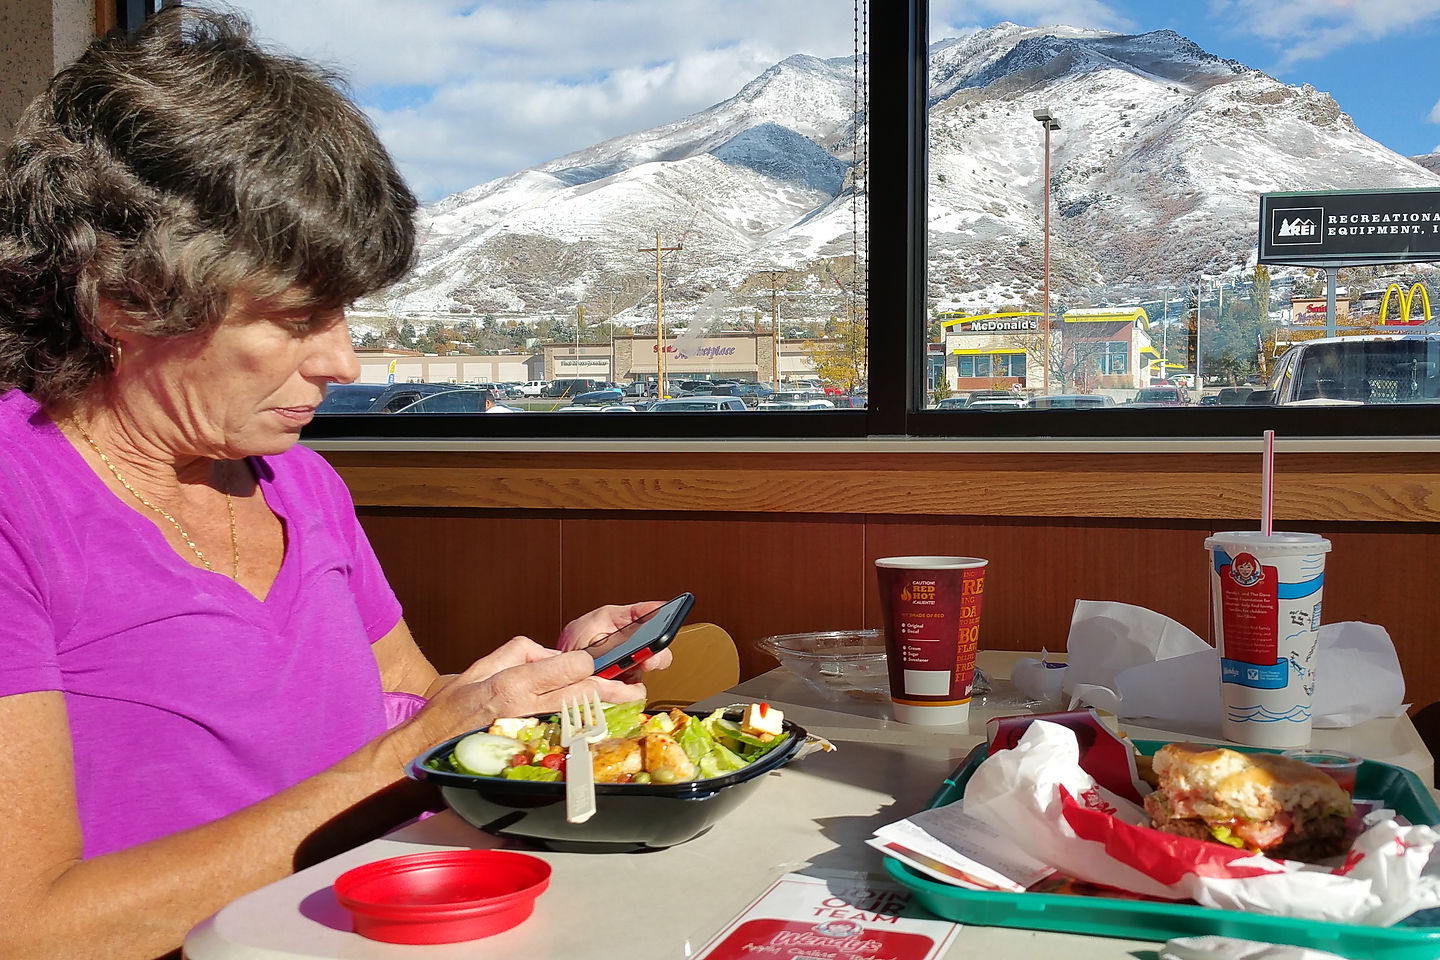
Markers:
point(1114, 358)
point(1008, 364)
point(1138, 293)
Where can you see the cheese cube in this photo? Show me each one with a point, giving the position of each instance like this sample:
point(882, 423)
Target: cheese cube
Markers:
point(511, 726)
point(760, 719)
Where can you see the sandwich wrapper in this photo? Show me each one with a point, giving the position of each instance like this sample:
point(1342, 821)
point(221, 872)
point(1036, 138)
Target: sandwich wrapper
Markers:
point(1139, 664)
point(1036, 796)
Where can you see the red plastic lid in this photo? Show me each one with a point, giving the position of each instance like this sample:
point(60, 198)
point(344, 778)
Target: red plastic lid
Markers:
point(442, 897)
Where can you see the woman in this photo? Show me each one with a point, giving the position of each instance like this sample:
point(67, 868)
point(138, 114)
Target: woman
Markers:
point(203, 670)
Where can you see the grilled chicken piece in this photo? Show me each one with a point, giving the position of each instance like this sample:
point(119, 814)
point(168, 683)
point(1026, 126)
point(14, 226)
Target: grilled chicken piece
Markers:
point(615, 760)
point(665, 760)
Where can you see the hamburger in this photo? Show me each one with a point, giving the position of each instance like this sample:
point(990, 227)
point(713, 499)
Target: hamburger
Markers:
point(1260, 802)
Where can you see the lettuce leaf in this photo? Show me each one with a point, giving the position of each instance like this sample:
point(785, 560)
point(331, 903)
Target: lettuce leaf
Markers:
point(623, 719)
point(529, 772)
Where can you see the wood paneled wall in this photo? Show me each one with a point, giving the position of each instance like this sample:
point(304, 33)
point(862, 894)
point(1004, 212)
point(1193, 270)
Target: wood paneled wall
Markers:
point(777, 543)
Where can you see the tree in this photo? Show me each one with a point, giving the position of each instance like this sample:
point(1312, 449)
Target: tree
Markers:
point(1074, 361)
point(1261, 276)
point(844, 359)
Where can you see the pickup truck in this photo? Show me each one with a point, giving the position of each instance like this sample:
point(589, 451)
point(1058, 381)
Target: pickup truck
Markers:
point(1347, 371)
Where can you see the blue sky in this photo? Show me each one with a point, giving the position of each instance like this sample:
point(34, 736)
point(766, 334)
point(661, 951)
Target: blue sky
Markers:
point(1376, 58)
point(463, 91)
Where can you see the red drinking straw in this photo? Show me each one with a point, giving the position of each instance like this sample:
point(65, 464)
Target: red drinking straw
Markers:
point(1267, 485)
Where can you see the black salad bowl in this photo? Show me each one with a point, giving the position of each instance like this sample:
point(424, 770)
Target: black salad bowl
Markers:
point(628, 816)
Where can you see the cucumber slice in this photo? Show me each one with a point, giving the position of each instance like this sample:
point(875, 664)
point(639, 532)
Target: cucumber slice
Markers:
point(485, 754)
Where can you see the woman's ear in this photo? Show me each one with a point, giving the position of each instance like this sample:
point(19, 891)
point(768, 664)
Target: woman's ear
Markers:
point(110, 319)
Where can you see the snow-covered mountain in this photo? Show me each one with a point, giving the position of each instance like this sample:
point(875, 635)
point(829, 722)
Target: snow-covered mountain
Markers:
point(1156, 172)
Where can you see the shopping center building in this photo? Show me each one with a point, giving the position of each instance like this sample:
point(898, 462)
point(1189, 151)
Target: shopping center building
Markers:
point(721, 356)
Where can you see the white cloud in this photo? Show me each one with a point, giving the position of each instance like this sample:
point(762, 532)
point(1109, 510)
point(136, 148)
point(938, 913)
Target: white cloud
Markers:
point(949, 18)
point(1309, 29)
point(463, 92)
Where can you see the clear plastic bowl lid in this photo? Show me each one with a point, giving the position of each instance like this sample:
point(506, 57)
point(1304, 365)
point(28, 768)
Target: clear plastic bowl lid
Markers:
point(827, 645)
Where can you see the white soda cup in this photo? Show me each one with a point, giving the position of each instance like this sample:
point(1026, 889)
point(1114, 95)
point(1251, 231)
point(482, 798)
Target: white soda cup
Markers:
point(1265, 608)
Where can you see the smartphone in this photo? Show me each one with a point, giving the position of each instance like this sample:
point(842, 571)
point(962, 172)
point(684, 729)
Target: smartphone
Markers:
point(637, 640)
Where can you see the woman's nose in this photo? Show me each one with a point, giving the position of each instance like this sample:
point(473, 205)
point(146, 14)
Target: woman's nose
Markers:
point(334, 355)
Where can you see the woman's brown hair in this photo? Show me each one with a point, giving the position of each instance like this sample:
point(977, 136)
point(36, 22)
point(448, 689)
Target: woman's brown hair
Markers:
point(166, 171)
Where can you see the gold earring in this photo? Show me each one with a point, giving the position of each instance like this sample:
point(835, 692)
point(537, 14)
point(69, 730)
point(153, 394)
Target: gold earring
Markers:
point(117, 354)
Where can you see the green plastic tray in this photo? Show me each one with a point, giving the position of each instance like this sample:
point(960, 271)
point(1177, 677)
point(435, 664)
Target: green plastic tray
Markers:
point(1417, 938)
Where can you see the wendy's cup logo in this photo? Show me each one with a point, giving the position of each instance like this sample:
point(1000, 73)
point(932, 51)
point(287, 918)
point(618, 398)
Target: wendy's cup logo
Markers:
point(1246, 570)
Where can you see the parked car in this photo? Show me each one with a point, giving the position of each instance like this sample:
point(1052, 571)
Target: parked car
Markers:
point(803, 403)
point(596, 398)
point(952, 403)
point(691, 388)
point(1161, 395)
point(532, 388)
point(398, 396)
point(996, 403)
point(572, 386)
point(753, 393)
point(990, 395)
point(1229, 396)
point(1071, 401)
point(594, 408)
point(794, 396)
point(350, 397)
point(497, 390)
point(699, 404)
point(1341, 371)
point(847, 401)
point(454, 400)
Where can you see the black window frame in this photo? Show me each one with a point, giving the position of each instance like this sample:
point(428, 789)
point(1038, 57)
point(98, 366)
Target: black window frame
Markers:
point(896, 308)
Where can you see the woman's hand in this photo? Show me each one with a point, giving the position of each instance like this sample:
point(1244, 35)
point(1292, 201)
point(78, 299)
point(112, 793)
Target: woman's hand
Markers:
point(518, 679)
point(594, 626)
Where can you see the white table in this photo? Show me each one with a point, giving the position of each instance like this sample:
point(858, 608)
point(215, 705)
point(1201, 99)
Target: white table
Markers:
point(813, 814)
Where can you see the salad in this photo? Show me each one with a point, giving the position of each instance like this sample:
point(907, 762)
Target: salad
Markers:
point(671, 747)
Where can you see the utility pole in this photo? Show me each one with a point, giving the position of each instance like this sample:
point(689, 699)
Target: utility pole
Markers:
point(1049, 122)
point(1165, 337)
point(774, 276)
point(660, 316)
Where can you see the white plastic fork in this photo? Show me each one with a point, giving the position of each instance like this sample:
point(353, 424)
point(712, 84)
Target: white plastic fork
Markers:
point(581, 724)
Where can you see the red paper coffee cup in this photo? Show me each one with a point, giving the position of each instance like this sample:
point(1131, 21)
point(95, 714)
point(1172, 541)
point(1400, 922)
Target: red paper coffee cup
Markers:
point(931, 607)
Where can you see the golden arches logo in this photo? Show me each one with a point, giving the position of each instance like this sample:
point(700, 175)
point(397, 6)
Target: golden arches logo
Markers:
point(1406, 300)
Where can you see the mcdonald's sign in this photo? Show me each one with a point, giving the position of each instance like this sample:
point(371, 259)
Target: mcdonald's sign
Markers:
point(1406, 301)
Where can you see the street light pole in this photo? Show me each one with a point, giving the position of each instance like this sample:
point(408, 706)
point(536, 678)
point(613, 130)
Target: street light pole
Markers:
point(1165, 336)
point(1049, 122)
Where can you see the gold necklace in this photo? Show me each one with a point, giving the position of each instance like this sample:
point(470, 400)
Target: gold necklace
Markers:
point(229, 506)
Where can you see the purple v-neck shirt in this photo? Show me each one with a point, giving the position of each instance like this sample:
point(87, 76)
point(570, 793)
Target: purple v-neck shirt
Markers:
point(187, 697)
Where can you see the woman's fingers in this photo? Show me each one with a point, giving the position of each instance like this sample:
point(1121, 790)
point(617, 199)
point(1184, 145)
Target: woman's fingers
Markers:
point(601, 622)
point(511, 653)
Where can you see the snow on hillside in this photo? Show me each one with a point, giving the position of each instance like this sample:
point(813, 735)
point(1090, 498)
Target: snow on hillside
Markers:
point(1156, 173)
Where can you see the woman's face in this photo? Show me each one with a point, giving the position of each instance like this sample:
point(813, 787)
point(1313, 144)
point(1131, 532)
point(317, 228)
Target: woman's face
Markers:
point(245, 389)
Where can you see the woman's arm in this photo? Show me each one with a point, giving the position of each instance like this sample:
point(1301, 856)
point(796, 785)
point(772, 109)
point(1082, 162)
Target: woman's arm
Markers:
point(403, 667)
point(140, 902)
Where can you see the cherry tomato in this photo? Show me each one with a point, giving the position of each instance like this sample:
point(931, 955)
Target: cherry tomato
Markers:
point(555, 761)
point(520, 759)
